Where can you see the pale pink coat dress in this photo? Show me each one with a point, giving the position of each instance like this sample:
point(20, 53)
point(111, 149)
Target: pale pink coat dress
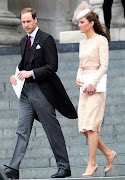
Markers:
point(92, 52)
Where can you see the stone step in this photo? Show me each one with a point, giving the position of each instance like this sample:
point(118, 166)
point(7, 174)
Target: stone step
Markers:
point(39, 161)
point(9, 60)
point(117, 74)
point(94, 178)
point(12, 113)
point(72, 92)
point(117, 65)
point(111, 82)
point(74, 57)
point(115, 68)
point(7, 69)
point(42, 173)
point(78, 160)
point(40, 140)
point(110, 100)
point(7, 104)
point(6, 87)
point(13, 60)
point(110, 110)
point(113, 73)
point(114, 126)
point(111, 91)
point(8, 120)
point(74, 150)
point(8, 114)
point(7, 92)
point(109, 119)
point(71, 67)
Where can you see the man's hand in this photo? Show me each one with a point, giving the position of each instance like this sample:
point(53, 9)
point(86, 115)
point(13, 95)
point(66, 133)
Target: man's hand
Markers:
point(79, 83)
point(13, 80)
point(90, 89)
point(24, 74)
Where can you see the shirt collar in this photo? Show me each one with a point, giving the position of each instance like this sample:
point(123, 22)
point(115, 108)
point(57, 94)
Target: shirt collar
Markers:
point(33, 34)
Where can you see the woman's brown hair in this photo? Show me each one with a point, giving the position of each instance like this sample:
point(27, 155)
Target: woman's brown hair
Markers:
point(98, 27)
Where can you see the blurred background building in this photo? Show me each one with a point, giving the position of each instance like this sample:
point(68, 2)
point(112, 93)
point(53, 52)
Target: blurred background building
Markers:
point(54, 17)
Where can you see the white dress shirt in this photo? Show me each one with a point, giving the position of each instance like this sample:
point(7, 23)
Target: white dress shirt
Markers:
point(32, 37)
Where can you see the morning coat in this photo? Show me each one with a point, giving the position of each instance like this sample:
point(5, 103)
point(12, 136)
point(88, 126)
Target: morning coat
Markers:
point(44, 63)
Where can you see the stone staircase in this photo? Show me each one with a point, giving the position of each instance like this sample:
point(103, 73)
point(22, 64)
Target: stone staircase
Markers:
point(39, 161)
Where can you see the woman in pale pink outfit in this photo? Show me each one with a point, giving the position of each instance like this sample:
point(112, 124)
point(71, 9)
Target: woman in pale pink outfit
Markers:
point(94, 57)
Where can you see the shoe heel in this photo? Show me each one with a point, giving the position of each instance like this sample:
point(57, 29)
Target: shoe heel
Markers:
point(117, 158)
point(96, 173)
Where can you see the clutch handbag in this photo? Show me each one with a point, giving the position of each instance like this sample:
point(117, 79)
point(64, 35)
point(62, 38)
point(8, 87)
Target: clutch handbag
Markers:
point(100, 87)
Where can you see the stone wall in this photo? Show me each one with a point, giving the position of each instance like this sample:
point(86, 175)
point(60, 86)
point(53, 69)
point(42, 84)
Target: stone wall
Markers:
point(8, 26)
point(55, 16)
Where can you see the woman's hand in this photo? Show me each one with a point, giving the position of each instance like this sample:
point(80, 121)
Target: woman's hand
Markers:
point(79, 83)
point(90, 89)
point(13, 80)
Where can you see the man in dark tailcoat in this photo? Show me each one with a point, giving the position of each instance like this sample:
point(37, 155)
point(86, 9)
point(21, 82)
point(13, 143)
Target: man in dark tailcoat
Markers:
point(42, 93)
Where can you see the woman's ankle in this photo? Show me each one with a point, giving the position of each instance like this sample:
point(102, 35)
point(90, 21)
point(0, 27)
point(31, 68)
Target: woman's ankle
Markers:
point(92, 163)
point(108, 154)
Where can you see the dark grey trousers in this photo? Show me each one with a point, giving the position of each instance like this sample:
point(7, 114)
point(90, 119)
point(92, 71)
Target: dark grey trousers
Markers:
point(33, 101)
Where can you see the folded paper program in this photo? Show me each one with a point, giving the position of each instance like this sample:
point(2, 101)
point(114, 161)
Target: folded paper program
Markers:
point(19, 86)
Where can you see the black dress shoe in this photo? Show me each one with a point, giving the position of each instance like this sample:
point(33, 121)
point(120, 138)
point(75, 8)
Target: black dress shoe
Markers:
point(62, 173)
point(12, 173)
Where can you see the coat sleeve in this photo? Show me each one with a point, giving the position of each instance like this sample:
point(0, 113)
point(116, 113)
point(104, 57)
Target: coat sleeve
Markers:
point(104, 60)
point(80, 70)
point(51, 60)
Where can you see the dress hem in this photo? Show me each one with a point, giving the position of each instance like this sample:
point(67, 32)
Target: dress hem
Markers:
point(85, 130)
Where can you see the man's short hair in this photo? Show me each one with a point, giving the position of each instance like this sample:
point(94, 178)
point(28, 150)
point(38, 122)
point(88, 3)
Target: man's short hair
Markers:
point(27, 10)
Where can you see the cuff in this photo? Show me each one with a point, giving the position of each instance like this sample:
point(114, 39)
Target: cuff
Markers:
point(33, 74)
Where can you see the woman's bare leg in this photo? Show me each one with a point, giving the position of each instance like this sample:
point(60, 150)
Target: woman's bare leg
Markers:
point(102, 147)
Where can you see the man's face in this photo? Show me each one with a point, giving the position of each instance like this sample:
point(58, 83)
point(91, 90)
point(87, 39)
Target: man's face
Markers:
point(29, 24)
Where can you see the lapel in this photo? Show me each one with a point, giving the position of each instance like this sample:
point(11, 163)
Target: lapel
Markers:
point(33, 50)
point(23, 45)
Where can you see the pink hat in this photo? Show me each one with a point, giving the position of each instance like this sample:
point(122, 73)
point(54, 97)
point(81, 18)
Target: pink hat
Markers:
point(81, 11)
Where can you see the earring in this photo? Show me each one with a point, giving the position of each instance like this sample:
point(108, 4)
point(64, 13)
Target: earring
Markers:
point(91, 27)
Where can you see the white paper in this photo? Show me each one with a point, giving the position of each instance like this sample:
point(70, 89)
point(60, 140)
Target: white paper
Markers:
point(19, 86)
point(100, 87)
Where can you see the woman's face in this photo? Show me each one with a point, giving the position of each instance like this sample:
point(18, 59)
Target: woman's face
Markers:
point(84, 25)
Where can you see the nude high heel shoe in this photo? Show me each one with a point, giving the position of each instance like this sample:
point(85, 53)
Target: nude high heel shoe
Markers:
point(91, 174)
point(110, 168)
